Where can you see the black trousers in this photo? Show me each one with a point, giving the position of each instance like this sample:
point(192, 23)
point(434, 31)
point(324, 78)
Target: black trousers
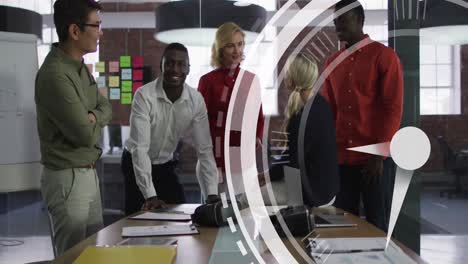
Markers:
point(376, 196)
point(165, 180)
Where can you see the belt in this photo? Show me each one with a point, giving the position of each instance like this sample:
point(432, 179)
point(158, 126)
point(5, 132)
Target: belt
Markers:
point(89, 166)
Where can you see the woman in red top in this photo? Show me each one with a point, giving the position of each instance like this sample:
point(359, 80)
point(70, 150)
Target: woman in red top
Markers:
point(216, 87)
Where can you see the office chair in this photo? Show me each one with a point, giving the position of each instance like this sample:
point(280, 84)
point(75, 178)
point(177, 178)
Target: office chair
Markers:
point(455, 163)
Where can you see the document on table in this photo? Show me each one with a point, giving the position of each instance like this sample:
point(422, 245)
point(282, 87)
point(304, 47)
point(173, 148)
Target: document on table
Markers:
point(127, 254)
point(147, 241)
point(165, 216)
point(357, 250)
point(160, 230)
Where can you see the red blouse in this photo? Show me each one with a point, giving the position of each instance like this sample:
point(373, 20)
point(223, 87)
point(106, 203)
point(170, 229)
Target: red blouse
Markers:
point(216, 88)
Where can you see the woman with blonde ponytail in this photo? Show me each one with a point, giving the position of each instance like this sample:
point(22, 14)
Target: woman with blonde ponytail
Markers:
point(319, 144)
point(301, 75)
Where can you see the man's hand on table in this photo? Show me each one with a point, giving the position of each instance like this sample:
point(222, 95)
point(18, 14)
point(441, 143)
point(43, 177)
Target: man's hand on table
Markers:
point(153, 203)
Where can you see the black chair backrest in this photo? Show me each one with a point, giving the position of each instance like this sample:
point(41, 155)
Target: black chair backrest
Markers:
point(447, 152)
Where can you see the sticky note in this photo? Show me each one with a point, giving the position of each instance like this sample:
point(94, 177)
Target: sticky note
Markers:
point(137, 75)
point(113, 81)
point(113, 66)
point(136, 85)
point(126, 74)
point(126, 98)
point(101, 81)
point(126, 86)
point(125, 61)
point(137, 62)
point(114, 94)
point(100, 66)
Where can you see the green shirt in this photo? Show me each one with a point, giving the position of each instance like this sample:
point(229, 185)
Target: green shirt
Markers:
point(65, 93)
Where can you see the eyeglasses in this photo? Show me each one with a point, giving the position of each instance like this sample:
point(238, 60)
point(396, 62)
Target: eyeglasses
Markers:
point(98, 26)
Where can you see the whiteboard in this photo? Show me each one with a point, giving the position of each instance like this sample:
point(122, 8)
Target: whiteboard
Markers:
point(19, 141)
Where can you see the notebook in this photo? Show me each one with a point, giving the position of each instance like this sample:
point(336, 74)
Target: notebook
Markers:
point(163, 216)
point(357, 250)
point(127, 254)
point(147, 241)
point(332, 220)
point(159, 230)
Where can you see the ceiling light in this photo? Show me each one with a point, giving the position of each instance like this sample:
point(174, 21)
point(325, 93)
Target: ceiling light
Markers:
point(444, 23)
point(194, 22)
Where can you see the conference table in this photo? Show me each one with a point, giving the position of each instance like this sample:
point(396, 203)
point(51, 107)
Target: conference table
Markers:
point(198, 248)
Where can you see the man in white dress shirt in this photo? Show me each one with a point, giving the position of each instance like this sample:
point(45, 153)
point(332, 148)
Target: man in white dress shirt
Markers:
point(162, 112)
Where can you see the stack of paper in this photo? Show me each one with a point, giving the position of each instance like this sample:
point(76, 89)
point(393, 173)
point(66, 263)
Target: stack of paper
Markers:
point(147, 241)
point(163, 216)
point(160, 230)
point(127, 254)
point(357, 250)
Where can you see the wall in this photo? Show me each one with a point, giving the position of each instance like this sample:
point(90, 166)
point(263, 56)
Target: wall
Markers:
point(133, 42)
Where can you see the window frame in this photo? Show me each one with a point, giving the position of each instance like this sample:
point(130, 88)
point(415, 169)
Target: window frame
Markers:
point(455, 87)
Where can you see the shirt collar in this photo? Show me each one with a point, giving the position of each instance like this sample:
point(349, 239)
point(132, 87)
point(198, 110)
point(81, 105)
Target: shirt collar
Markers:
point(365, 39)
point(162, 95)
point(227, 70)
point(64, 57)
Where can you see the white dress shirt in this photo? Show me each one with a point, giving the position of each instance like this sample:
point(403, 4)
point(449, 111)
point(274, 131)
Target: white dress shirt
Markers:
point(157, 125)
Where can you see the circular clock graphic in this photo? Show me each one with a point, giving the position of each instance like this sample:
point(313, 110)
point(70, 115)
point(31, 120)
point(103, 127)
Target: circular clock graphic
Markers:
point(241, 161)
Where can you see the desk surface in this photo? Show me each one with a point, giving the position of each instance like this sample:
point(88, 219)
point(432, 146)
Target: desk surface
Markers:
point(200, 246)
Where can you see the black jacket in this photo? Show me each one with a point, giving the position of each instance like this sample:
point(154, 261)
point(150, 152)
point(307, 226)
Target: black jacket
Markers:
point(320, 179)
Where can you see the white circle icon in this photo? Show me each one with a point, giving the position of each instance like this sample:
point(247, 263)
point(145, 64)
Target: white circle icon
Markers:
point(410, 148)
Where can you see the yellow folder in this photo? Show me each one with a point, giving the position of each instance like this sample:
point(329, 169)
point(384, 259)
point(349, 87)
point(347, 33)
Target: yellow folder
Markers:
point(127, 255)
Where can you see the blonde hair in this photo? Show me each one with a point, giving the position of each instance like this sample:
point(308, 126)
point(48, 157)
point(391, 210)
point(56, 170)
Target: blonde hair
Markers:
point(303, 72)
point(223, 36)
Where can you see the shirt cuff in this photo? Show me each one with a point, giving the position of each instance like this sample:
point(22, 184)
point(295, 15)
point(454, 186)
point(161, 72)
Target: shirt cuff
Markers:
point(212, 189)
point(148, 192)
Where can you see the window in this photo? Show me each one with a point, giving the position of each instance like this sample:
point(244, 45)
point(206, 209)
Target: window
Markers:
point(374, 4)
point(440, 80)
point(39, 6)
point(439, 75)
point(377, 32)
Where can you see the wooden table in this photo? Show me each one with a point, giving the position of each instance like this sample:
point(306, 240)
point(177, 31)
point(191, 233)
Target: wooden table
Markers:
point(199, 247)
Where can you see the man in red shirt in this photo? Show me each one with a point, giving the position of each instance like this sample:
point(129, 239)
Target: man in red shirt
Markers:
point(365, 92)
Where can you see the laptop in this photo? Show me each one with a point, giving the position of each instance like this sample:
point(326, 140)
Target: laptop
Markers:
point(332, 220)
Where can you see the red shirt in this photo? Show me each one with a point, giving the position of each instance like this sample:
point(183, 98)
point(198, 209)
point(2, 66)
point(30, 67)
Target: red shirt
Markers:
point(216, 88)
point(365, 93)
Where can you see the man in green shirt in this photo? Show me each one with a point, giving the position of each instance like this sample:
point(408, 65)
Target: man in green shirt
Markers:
point(70, 115)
